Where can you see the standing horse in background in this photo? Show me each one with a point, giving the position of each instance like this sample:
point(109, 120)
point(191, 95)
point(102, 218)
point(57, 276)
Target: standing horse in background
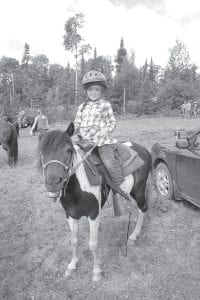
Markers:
point(9, 141)
point(13, 121)
point(65, 177)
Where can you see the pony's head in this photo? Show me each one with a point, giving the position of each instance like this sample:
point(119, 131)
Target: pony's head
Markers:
point(56, 152)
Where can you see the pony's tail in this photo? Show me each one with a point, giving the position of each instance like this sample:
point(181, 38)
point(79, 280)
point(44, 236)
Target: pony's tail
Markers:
point(14, 145)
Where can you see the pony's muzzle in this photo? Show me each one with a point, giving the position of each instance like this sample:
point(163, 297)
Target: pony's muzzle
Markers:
point(53, 189)
point(53, 195)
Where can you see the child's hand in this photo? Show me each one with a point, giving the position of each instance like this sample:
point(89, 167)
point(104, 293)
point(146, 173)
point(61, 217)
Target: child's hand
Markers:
point(102, 132)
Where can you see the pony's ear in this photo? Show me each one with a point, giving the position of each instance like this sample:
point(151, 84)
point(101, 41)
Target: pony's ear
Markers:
point(70, 129)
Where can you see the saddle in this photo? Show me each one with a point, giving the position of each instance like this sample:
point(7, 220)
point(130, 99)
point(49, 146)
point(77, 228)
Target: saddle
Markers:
point(126, 157)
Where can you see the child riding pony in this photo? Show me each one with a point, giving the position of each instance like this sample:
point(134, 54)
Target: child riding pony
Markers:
point(64, 170)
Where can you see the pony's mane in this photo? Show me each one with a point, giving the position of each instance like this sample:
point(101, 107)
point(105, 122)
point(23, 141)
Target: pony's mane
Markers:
point(53, 140)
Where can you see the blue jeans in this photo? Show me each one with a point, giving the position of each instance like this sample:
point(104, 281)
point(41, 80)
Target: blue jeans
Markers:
point(107, 155)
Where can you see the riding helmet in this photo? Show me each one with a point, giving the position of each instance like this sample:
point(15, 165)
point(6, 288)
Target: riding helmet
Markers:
point(94, 77)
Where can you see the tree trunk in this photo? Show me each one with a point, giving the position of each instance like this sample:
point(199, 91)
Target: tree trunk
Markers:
point(76, 80)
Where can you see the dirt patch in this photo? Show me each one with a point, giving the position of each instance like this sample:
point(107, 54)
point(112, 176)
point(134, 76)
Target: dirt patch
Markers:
point(35, 239)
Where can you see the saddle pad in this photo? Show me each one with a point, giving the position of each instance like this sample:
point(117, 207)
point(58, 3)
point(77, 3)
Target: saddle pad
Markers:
point(128, 159)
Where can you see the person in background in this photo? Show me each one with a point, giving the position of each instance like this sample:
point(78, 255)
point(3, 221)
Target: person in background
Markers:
point(183, 110)
point(194, 110)
point(188, 110)
point(40, 121)
point(20, 117)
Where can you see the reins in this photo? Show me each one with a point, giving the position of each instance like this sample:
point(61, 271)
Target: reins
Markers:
point(73, 171)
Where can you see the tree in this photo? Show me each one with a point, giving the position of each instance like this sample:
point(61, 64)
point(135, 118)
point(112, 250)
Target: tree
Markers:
point(126, 83)
point(8, 70)
point(72, 40)
point(95, 63)
point(83, 50)
point(40, 65)
point(121, 56)
point(26, 56)
point(179, 62)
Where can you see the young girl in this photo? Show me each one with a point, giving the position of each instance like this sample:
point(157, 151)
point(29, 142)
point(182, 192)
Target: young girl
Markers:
point(95, 121)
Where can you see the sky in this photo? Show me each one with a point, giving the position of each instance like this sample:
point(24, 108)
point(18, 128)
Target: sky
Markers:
point(148, 27)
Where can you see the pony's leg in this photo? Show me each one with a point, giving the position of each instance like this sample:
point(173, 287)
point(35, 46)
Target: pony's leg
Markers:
point(6, 148)
point(133, 237)
point(74, 227)
point(93, 244)
point(139, 194)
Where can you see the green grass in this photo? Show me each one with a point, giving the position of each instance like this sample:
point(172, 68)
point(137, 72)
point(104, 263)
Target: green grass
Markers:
point(35, 238)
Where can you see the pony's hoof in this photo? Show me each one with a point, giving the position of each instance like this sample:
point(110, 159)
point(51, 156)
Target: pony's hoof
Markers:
point(131, 242)
point(68, 273)
point(96, 277)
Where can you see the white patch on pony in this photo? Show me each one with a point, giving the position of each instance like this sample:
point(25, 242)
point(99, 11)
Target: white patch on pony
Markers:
point(127, 184)
point(129, 144)
point(83, 180)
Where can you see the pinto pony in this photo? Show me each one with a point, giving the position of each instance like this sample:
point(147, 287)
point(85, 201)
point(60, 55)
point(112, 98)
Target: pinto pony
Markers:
point(65, 177)
point(9, 141)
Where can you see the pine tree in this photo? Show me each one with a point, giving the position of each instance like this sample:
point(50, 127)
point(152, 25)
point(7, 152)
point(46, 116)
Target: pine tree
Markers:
point(121, 56)
point(94, 65)
point(26, 56)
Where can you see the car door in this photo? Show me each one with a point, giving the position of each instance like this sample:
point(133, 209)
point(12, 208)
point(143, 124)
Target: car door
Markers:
point(188, 172)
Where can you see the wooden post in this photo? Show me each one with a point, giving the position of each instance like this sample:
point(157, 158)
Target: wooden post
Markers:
point(124, 102)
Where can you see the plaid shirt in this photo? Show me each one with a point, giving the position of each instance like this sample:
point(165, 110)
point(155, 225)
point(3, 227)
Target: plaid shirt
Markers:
point(95, 121)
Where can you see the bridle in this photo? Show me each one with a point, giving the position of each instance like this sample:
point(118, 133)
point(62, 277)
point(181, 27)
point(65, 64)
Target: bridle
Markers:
point(68, 169)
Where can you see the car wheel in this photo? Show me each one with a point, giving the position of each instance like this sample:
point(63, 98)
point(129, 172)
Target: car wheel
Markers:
point(164, 183)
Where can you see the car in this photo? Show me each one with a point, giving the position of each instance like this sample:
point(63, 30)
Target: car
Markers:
point(176, 168)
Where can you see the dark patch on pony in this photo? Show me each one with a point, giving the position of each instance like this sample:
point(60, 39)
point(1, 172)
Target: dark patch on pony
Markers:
point(79, 203)
point(12, 120)
point(14, 144)
point(141, 176)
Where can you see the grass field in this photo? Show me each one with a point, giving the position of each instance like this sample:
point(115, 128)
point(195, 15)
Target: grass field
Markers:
point(35, 239)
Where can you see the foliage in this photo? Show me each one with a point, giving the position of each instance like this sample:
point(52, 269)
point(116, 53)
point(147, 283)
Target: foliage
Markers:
point(179, 63)
point(175, 92)
point(147, 89)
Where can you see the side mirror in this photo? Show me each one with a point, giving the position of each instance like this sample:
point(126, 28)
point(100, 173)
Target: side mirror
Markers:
point(182, 143)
